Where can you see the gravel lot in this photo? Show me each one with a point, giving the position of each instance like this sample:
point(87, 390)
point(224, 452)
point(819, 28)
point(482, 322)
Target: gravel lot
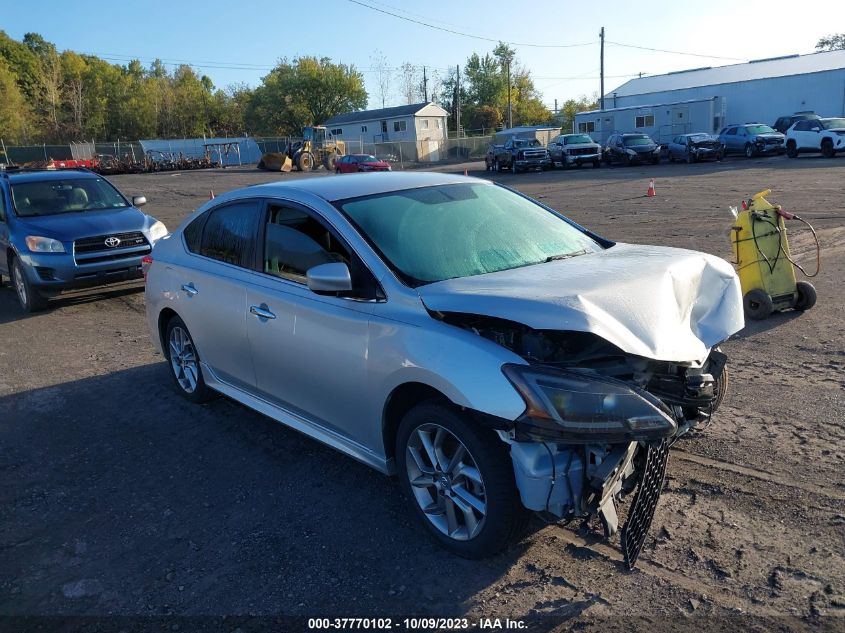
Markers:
point(120, 498)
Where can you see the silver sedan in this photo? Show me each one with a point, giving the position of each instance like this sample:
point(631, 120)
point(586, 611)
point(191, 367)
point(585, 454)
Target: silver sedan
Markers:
point(494, 355)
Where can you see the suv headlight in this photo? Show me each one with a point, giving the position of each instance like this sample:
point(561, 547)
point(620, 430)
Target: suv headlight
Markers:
point(631, 152)
point(38, 244)
point(582, 408)
point(157, 231)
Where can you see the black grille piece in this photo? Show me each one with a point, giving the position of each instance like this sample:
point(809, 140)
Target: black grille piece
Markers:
point(642, 510)
point(98, 243)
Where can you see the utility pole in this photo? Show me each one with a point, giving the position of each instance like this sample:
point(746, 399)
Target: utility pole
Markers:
point(601, 66)
point(458, 102)
point(425, 86)
point(510, 111)
point(555, 106)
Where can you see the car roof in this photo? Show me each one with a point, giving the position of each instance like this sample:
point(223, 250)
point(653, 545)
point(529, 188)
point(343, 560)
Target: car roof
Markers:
point(332, 188)
point(49, 174)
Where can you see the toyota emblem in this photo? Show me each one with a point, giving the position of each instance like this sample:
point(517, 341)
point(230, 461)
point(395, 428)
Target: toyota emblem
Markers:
point(112, 241)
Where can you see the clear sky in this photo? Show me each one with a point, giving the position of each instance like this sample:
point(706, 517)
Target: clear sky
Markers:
point(234, 42)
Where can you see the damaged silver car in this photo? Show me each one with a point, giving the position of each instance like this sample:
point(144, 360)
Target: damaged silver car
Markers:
point(498, 358)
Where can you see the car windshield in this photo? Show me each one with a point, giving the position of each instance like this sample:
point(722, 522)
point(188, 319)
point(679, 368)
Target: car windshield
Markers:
point(68, 195)
point(577, 138)
point(697, 138)
point(525, 142)
point(366, 158)
point(449, 231)
point(759, 129)
point(636, 140)
point(833, 124)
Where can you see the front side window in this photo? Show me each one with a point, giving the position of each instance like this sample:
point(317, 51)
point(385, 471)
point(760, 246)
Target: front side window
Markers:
point(444, 232)
point(294, 242)
point(67, 195)
point(731, 132)
point(229, 233)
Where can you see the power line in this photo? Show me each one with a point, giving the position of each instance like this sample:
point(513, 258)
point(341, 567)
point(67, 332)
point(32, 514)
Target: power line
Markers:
point(662, 50)
point(462, 34)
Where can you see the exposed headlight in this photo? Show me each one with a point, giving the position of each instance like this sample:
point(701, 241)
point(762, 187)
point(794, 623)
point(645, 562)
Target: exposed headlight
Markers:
point(656, 149)
point(38, 244)
point(631, 152)
point(157, 231)
point(578, 407)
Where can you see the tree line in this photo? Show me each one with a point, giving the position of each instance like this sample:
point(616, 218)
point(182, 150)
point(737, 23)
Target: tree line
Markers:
point(47, 96)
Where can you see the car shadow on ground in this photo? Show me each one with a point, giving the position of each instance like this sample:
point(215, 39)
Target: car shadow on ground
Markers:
point(10, 309)
point(120, 496)
point(773, 321)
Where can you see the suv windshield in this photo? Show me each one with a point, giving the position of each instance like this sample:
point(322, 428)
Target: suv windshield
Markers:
point(443, 232)
point(697, 138)
point(759, 129)
point(68, 195)
point(524, 142)
point(636, 140)
point(577, 138)
point(833, 124)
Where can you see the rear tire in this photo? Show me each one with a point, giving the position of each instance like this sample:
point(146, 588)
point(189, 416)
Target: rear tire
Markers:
point(261, 165)
point(806, 295)
point(29, 298)
point(494, 516)
point(596, 163)
point(183, 361)
point(305, 161)
point(758, 304)
point(749, 150)
point(827, 148)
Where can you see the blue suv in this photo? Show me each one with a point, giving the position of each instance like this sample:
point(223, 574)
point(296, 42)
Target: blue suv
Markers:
point(67, 229)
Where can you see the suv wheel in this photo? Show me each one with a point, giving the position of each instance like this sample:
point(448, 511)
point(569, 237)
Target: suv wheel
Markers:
point(28, 297)
point(827, 148)
point(459, 481)
point(791, 149)
point(749, 150)
point(184, 362)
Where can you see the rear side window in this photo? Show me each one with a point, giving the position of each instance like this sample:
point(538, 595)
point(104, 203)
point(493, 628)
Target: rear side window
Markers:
point(229, 233)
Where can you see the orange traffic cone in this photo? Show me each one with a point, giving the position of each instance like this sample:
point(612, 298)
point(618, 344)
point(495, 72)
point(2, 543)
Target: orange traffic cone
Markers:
point(211, 195)
point(650, 193)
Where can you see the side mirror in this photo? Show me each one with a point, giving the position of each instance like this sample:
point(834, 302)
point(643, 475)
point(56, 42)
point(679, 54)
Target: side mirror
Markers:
point(139, 201)
point(329, 278)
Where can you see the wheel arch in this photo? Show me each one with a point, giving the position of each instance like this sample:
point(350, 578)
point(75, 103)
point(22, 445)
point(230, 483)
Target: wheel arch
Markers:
point(164, 318)
point(402, 399)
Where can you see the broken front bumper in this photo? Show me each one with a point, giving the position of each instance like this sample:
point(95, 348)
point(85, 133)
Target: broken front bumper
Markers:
point(573, 481)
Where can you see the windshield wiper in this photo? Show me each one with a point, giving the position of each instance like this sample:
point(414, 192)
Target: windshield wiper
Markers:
point(554, 258)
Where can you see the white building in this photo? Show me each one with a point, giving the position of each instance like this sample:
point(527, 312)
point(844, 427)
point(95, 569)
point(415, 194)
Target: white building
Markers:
point(415, 122)
point(707, 99)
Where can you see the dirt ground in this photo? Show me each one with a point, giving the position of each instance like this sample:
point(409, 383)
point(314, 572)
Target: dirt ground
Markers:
point(119, 498)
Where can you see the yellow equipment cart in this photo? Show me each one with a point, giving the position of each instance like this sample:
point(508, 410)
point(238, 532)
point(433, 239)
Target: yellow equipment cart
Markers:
point(763, 261)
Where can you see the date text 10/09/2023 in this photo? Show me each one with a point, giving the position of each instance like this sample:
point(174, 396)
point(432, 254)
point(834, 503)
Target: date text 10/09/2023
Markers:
point(416, 624)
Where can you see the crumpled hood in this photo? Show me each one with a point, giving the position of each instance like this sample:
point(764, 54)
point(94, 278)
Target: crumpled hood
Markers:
point(663, 303)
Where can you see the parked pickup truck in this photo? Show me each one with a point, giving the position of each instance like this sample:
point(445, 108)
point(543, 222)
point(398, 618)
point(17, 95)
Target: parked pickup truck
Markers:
point(518, 154)
point(575, 149)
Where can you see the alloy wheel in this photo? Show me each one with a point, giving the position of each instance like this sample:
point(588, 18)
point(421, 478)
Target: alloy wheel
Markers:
point(183, 359)
point(446, 482)
point(20, 284)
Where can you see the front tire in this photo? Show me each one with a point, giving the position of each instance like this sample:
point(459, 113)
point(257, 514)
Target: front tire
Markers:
point(458, 479)
point(28, 297)
point(792, 149)
point(827, 148)
point(749, 150)
point(806, 295)
point(184, 362)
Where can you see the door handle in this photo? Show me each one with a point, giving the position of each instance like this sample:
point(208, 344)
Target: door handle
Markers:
point(261, 312)
point(189, 288)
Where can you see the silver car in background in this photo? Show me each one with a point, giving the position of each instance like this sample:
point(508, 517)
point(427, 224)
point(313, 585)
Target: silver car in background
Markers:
point(495, 356)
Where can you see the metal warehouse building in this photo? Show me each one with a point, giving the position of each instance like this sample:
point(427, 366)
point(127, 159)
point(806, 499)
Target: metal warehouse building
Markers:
point(707, 99)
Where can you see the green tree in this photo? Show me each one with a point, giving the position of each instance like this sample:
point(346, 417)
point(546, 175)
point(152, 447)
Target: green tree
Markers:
point(306, 91)
point(14, 110)
point(835, 42)
point(570, 107)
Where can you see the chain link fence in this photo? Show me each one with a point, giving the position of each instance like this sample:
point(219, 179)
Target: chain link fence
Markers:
point(401, 153)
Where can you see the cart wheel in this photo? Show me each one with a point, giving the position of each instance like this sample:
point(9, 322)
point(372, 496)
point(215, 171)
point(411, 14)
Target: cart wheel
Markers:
point(806, 295)
point(758, 304)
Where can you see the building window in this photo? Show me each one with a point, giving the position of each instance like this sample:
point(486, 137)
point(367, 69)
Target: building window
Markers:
point(425, 124)
point(399, 126)
point(585, 127)
point(439, 124)
point(336, 132)
point(645, 121)
point(384, 127)
point(363, 128)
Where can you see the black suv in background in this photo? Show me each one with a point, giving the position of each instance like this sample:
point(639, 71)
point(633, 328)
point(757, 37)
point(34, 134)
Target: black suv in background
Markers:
point(629, 149)
point(785, 122)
